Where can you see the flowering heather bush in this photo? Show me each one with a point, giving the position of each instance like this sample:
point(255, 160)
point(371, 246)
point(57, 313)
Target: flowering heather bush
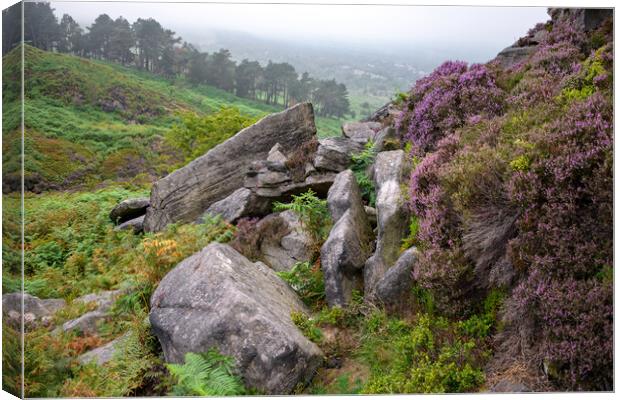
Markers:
point(544, 73)
point(523, 199)
point(565, 244)
point(446, 100)
point(442, 267)
point(556, 59)
point(566, 196)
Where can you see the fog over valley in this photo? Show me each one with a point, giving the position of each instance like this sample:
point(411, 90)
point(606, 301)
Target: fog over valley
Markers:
point(374, 50)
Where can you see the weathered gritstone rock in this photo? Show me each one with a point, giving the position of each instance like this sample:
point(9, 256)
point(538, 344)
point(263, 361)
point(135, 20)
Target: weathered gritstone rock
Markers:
point(386, 139)
point(294, 247)
point(361, 131)
point(219, 299)
point(389, 173)
point(334, 154)
point(394, 287)
point(36, 311)
point(585, 20)
point(344, 194)
point(385, 115)
point(514, 55)
point(276, 154)
point(136, 225)
point(129, 209)
point(240, 203)
point(89, 322)
point(271, 182)
point(187, 193)
point(349, 243)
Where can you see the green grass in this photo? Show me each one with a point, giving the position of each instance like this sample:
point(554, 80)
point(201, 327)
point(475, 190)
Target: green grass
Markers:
point(423, 353)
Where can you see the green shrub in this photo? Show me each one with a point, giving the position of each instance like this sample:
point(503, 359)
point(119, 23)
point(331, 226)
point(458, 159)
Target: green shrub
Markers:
point(360, 163)
point(198, 134)
point(208, 374)
point(313, 214)
point(307, 281)
point(307, 326)
point(427, 356)
point(412, 237)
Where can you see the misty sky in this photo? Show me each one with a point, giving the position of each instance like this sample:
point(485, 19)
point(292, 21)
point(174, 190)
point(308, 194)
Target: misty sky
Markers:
point(488, 29)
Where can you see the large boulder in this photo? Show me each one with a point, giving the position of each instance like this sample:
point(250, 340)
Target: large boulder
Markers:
point(334, 154)
point(188, 192)
point(219, 299)
point(36, 311)
point(282, 253)
point(129, 209)
point(349, 243)
point(389, 172)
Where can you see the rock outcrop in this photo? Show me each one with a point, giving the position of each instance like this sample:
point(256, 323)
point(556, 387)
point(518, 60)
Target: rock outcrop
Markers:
point(388, 174)
point(349, 243)
point(129, 209)
point(188, 192)
point(387, 139)
point(586, 19)
point(219, 299)
point(583, 19)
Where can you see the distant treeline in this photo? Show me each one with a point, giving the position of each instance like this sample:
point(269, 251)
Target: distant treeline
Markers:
point(151, 47)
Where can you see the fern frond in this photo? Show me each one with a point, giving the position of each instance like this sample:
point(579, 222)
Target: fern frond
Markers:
point(207, 374)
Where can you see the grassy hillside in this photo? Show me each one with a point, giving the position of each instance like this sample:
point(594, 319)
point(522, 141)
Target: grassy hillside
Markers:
point(90, 121)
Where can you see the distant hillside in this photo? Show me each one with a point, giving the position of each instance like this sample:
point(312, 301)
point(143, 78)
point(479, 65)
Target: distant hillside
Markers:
point(95, 120)
point(373, 76)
